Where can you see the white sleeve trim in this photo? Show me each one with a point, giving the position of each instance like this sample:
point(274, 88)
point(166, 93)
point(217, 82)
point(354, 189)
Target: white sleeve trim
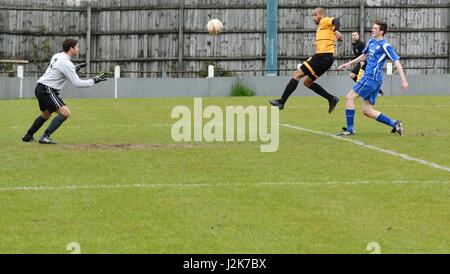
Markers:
point(387, 52)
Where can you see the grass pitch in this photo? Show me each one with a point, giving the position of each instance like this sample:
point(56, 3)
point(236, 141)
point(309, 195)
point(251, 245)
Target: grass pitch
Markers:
point(117, 183)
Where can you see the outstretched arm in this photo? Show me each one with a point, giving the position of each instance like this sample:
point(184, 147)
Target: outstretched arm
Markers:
point(362, 57)
point(69, 70)
point(399, 68)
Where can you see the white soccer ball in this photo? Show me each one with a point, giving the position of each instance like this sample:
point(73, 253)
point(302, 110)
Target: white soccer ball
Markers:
point(215, 26)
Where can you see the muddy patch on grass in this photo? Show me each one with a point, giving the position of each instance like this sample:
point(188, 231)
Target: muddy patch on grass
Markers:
point(438, 132)
point(125, 146)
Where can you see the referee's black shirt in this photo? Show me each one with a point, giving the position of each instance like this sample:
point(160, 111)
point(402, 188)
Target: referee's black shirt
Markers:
point(358, 47)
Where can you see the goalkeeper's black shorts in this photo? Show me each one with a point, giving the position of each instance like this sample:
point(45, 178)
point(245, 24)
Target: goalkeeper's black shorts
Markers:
point(317, 65)
point(48, 98)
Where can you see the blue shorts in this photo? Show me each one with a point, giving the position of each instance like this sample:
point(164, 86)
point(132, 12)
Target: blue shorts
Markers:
point(368, 89)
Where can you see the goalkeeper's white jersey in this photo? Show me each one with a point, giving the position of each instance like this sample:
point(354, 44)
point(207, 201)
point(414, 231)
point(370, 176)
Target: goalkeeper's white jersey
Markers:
point(60, 69)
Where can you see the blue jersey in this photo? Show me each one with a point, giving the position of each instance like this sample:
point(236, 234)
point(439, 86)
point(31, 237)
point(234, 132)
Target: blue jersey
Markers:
point(377, 54)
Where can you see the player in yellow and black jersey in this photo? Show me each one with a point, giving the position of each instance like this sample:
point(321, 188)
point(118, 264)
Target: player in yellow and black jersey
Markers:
point(318, 64)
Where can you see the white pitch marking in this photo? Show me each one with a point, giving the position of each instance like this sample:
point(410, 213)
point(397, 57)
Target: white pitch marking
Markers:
point(359, 143)
point(212, 185)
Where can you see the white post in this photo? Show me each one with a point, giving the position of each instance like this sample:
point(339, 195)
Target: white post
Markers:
point(389, 68)
point(116, 77)
point(20, 76)
point(210, 71)
point(88, 38)
point(389, 72)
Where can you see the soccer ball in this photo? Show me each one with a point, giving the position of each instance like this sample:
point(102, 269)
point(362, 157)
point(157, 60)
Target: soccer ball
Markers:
point(215, 27)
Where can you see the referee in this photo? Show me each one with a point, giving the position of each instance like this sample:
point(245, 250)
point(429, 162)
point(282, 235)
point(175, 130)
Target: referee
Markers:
point(49, 85)
point(358, 46)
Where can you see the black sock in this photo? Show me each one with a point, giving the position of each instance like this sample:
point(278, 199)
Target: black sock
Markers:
point(54, 125)
point(291, 86)
point(319, 90)
point(37, 124)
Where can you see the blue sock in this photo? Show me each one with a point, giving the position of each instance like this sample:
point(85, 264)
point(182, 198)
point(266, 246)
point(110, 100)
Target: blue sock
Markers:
point(385, 120)
point(350, 114)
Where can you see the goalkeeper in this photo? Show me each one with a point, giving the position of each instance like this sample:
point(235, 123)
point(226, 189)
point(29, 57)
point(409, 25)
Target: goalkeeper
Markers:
point(50, 84)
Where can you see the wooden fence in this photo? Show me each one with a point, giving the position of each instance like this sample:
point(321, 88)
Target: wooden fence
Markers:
point(149, 38)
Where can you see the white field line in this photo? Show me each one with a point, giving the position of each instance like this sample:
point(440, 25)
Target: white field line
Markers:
point(213, 185)
point(362, 144)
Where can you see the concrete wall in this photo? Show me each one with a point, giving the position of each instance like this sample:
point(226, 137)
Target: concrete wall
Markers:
point(263, 86)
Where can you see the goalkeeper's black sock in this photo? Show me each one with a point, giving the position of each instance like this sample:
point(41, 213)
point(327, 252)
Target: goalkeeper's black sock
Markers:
point(291, 86)
point(37, 124)
point(319, 90)
point(54, 125)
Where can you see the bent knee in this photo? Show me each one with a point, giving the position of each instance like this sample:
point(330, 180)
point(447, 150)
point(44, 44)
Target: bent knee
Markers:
point(67, 114)
point(65, 111)
point(308, 82)
point(46, 115)
point(369, 112)
point(350, 98)
point(297, 74)
point(351, 95)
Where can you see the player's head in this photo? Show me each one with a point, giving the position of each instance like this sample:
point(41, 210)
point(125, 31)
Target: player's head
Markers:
point(355, 36)
point(379, 29)
point(318, 14)
point(71, 47)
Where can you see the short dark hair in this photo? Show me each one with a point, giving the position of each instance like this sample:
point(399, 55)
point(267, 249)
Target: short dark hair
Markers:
point(69, 43)
point(383, 26)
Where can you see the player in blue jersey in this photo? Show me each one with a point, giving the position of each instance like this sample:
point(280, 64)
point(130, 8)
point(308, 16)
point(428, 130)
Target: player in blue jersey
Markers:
point(376, 52)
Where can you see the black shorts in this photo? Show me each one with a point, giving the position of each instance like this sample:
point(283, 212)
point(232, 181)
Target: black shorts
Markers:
point(318, 65)
point(356, 69)
point(48, 98)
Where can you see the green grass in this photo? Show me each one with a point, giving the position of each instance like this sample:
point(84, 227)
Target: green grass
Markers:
point(376, 197)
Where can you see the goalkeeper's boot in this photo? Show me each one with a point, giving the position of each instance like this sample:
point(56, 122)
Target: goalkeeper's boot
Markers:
point(28, 138)
point(46, 140)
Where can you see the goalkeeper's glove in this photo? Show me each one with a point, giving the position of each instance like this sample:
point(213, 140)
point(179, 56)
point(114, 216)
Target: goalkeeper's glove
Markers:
point(100, 77)
point(80, 66)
